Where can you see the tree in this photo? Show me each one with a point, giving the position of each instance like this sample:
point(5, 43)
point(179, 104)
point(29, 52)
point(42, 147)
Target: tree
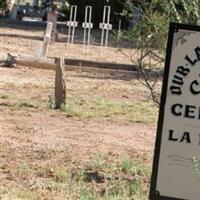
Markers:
point(5, 6)
point(149, 37)
point(186, 11)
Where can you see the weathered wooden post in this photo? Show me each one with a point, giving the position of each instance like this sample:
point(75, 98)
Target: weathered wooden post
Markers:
point(60, 84)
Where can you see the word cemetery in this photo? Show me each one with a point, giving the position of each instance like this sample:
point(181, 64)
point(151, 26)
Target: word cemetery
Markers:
point(177, 150)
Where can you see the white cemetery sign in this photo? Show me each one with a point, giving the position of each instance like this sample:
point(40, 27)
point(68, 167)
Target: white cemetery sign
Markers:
point(72, 24)
point(105, 25)
point(175, 175)
point(87, 25)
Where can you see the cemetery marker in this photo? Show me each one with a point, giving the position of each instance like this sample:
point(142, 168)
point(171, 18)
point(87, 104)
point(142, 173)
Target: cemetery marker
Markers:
point(105, 26)
point(47, 40)
point(87, 25)
point(72, 24)
point(176, 165)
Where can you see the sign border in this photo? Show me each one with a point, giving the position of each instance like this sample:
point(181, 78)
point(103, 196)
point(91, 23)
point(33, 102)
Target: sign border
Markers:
point(174, 27)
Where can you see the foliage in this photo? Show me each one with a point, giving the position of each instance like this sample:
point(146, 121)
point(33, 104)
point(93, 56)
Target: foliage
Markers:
point(103, 180)
point(149, 36)
point(101, 108)
point(1, 4)
point(186, 11)
point(64, 12)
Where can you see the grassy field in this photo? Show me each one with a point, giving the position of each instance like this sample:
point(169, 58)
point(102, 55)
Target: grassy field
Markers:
point(111, 169)
point(99, 179)
point(99, 146)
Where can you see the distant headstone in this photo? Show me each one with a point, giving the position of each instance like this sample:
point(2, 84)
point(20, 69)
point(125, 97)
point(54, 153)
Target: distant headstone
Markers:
point(27, 9)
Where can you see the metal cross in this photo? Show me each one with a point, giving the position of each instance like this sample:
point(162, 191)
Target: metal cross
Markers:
point(105, 25)
point(87, 25)
point(72, 24)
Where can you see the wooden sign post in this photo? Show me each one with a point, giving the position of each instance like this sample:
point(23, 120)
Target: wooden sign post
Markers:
point(177, 153)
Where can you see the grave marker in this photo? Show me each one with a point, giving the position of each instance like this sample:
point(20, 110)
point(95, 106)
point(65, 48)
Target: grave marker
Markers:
point(72, 24)
point(177, 148)
point(105, 25)
point(87, 25)
point(60, 84)
point(47, 40)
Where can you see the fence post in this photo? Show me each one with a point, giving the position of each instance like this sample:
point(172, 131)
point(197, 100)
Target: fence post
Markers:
point(60, 84)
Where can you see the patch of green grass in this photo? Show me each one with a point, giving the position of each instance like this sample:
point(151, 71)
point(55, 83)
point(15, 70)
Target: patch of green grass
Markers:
point(127, 166)
point(18, 194)
point(97, 179)
point(61, 175)
point(27, 105)
point(125, 180)
point(101, 108)
point(98, 162)
point(2, 96)
point(22, 171)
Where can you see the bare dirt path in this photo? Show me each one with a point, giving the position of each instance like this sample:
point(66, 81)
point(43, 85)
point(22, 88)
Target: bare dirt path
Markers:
point(42, 128)
point(28, 41)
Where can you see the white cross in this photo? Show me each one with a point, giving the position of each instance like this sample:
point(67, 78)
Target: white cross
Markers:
point(105, 25)
point(47, 40)
point(72, 23)
point(87, 25)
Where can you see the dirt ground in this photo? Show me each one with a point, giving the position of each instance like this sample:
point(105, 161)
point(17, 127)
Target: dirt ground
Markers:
point(33, 133)
point(48, 128)
point(28, 41)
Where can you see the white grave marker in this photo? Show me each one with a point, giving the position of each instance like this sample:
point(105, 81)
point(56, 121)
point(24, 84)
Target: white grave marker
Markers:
point(87, 25)
point(105, 25)
point(47, 40)
point(72, 24)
